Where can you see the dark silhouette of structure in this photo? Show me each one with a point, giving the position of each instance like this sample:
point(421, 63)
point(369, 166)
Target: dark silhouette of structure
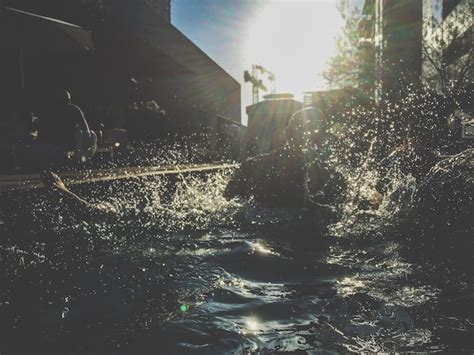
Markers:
point(394, 30)
point(139, 57)
point(267, 121)
point(87, 12)
point(415, 40)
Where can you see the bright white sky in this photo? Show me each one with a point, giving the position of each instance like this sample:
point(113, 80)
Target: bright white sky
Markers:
point(292, 38)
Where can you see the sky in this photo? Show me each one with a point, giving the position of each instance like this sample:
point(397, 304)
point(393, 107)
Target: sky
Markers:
point(291, 38)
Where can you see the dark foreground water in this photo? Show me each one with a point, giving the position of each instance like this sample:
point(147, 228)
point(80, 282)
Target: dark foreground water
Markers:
point(197, 273)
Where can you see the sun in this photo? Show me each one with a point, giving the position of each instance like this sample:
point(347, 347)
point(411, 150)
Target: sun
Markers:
point(294, 39)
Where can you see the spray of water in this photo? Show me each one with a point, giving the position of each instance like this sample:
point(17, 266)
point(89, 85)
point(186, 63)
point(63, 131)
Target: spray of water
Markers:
point(128, 268)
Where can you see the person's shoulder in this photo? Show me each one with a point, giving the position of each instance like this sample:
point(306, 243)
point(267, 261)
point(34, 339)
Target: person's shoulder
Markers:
point(73, 107)
point(74, 110)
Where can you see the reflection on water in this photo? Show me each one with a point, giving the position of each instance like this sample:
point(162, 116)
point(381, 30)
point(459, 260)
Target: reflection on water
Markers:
point(259, 247)
point(252, 326)
point(202, 274)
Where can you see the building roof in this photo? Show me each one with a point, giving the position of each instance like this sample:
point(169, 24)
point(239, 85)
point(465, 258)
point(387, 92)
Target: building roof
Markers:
point(210, 84)
point(274, 106)
point(163, 35)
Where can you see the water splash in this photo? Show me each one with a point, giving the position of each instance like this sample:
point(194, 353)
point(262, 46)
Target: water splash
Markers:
point(247, 284)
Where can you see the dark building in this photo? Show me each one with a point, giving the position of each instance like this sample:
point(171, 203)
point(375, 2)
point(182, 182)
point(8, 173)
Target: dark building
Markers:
point(267, 121)
point(416, 41)
point(86, 12)
point(394, 29)
point(329, 101)
point(139, 57)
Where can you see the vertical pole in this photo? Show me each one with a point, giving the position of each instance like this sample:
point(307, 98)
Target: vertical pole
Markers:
point(378, 50)
point(254, 85)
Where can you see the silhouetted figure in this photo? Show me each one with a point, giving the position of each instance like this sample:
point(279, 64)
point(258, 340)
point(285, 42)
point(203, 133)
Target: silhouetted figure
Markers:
point(290, 176)
point(58, 126)
point(63, 133)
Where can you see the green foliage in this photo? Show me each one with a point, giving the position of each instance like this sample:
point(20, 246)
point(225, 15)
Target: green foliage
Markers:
point(354, 62)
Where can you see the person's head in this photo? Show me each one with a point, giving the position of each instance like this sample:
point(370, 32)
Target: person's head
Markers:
point(303, 127)
point(63, 97)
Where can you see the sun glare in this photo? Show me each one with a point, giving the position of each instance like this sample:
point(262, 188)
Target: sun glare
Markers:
point(294, 39)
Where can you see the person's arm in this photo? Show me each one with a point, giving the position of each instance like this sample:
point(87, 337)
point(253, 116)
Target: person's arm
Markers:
point(85, 139)
point(81, 207)
point(78, 117)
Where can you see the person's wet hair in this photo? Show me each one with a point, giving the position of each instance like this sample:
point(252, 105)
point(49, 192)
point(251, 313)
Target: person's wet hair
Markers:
point(303, 125)
point(62, 97)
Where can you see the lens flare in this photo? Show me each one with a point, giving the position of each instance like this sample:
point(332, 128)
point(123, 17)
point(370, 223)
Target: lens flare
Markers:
point(294, 39)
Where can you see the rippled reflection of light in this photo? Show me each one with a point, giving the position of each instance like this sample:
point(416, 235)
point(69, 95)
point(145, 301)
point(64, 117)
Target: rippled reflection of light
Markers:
point(258, 247)
point(252, 326)
point(350, 285)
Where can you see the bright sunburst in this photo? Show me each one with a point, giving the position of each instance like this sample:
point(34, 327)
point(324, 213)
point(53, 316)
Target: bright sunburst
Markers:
point(294, 39)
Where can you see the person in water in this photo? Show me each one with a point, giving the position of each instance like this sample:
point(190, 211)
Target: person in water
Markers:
point(286, 177)
point(297, 174)
point(63, 132)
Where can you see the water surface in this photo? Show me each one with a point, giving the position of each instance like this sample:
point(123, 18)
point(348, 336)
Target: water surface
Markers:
point(194, 272)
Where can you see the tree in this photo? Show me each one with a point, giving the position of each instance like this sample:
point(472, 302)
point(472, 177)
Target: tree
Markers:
point(354, 62)
point(447, 52)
